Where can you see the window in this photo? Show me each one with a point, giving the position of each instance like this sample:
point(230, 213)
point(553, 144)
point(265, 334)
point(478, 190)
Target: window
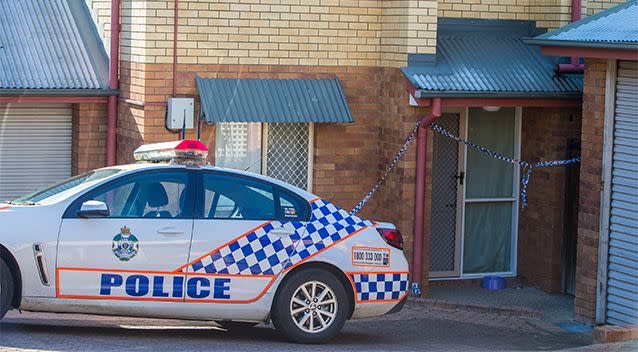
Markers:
point(227, 197)
point(67, 184)
point(149, 195)
point(292, 208)
point(278, 150)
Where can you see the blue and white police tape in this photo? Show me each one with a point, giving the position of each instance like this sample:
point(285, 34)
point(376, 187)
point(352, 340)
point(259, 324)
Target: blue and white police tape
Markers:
point(394, 162)
point(416, 289)
point(527, 167)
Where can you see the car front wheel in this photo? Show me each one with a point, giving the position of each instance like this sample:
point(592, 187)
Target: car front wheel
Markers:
point(311, 307)
point(6, 288)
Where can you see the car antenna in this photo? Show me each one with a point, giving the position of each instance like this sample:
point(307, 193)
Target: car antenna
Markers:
point(253, 163)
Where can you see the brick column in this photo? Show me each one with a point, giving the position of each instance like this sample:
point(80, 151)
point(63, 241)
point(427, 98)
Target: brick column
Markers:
point(590, 188)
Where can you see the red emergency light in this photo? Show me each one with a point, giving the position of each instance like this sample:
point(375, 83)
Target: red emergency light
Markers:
point(186, 151)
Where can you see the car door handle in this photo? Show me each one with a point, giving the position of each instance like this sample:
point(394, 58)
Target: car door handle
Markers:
point(282, 232)
point(169, 231)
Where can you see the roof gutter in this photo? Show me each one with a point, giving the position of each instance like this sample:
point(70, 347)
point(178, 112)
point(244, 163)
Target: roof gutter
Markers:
point(46, 99)
point(581, 44)
point(427, 94)
point(43, 92)
point(111, 126)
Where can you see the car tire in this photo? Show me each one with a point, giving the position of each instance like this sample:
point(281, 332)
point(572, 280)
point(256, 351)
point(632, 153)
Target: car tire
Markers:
point(6, 288)
point(306, 316)
point(235, 325)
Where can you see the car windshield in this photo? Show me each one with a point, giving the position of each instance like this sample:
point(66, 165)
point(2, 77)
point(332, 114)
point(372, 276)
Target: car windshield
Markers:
point(66, 184)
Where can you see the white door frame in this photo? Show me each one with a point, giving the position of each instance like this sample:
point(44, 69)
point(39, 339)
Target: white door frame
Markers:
point(460, 214)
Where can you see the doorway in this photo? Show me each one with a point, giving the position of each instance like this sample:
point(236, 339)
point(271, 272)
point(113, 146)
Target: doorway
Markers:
point(475, 197)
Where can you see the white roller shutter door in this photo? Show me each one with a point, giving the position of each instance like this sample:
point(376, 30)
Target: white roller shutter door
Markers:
point(35, 147)
point(622, 284)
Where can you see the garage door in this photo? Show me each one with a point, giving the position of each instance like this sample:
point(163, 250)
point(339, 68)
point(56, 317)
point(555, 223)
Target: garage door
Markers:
point(622, 285)
point(35, 147)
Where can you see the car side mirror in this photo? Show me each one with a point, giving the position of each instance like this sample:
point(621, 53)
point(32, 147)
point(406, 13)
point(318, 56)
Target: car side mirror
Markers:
point(93, 209)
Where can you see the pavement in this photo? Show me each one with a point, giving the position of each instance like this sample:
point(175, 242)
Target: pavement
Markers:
point(419, 327)
point(556, 308)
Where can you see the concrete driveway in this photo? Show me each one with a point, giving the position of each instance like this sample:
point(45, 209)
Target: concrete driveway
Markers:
point(417, 328)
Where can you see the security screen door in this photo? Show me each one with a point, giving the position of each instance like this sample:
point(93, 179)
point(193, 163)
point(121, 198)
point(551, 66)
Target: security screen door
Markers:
point(447, 198)
point(474, 197)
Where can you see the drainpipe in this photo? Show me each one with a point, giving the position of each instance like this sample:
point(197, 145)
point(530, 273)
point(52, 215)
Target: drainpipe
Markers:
point(574, 66)
point(419, 203)
point(111, 126)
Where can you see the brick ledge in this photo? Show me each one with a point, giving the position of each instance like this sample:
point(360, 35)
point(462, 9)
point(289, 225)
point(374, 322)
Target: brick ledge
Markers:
point(615, 333)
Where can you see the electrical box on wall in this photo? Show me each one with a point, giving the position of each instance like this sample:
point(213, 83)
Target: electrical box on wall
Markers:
point(180, 113)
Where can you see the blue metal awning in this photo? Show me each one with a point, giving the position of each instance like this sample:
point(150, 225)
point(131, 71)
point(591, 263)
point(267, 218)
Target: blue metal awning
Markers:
point(272, 100)
point(488, 58)
point(50, 47)
point(614, 28)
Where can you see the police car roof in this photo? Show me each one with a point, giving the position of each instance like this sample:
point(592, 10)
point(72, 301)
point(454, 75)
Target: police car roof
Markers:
point(144, 165)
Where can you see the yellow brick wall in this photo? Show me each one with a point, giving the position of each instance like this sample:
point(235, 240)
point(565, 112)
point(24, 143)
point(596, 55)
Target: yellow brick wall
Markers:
point(101, 13)
point(307, 32)
point(284, 32)
point(549, 14)
point(594, 6)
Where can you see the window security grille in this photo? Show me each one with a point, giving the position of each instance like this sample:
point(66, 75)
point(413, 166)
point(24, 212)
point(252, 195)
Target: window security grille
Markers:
point(287, 147)
point(284, 153)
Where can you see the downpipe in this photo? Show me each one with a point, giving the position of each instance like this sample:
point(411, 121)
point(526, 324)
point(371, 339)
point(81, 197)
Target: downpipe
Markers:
point(111, 124)
point(419, 202)
point(574, 66)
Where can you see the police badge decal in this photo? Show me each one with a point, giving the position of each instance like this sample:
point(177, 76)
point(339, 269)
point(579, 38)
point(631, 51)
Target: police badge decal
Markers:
point(125, 244)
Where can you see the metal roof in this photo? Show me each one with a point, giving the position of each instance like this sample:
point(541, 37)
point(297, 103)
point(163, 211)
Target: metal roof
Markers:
point(50, 45)
point(489, 58)
point(272, 100)
point(613, 28)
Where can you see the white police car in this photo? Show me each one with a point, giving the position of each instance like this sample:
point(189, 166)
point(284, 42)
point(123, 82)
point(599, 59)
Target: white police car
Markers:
point(185, 240)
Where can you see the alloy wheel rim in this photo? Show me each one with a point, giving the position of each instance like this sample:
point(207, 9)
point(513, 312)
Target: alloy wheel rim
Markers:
point(313, 307)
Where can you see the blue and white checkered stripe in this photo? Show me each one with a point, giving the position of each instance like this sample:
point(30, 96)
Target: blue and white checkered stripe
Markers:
point(328, 225)
point(380, 286)
point(259, 253)
point(255, 253)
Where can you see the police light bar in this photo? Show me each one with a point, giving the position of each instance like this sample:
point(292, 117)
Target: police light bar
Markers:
point(186, 151)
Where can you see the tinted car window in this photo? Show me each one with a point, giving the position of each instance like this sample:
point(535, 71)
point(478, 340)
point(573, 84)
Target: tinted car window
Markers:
point(292, 208)
point(228, 197)
point(149, 195)
point(237, 198)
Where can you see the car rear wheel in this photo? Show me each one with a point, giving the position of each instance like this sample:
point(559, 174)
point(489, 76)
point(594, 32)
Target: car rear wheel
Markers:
point(311, 307)
point(6, 288)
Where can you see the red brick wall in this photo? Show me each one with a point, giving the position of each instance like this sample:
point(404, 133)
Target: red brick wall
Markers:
point(395, 199)
point(348, 158)
point(590, 188)
point(88, 137)
point(545, 135)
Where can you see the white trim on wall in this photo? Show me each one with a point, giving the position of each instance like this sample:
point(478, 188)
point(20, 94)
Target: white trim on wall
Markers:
point(605, 202)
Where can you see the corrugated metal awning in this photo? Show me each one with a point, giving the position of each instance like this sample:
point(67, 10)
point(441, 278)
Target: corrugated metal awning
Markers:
point(614, 28)
point(50, 47)
point(489, 58)
point(272, 100)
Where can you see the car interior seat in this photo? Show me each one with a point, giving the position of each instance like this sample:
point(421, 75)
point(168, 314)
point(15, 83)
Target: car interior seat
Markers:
point(156, 197)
